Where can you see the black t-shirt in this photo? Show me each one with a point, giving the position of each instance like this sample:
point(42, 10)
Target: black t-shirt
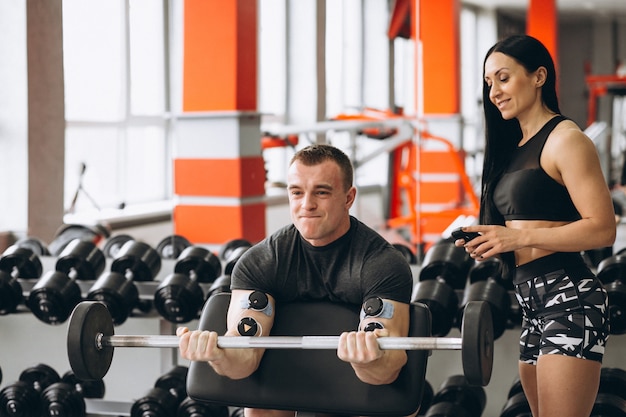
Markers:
point(359, 265)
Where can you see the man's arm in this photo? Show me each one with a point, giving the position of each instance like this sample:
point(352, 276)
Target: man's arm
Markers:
point(243, 318)
point(371, 364)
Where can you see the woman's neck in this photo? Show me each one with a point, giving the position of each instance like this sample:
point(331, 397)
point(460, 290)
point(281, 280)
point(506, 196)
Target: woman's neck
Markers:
point(532, 122)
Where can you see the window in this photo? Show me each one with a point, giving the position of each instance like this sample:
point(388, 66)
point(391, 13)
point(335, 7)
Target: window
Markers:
point(116, 96)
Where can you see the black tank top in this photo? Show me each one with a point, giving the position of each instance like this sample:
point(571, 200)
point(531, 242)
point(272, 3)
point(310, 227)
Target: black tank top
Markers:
point(526, 191)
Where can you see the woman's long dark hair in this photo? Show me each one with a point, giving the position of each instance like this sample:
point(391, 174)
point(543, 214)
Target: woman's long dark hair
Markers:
point(502, 136)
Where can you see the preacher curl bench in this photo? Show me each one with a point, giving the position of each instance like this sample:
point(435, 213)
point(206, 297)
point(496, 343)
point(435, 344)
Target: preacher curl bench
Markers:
point(311, 381)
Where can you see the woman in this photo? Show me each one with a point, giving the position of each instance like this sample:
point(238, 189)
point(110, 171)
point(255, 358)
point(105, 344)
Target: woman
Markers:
point(544, 199)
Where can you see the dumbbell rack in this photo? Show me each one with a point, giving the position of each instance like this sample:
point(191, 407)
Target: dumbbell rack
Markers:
point(439, 365)
point(146, 289)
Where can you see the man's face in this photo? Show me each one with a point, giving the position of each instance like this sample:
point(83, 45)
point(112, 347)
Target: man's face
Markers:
point(318, 203)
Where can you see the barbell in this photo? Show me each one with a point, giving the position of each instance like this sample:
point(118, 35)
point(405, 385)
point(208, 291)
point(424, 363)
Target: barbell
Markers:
point(91, 342)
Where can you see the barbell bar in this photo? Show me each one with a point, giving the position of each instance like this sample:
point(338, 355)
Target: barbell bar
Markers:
point(91, 342)
point(283, 342)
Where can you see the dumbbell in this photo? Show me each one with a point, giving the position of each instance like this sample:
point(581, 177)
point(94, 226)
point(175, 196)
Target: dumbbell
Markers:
point(163, 399)
point(447, 262)
point(87, 388)
point(135, 261)
point(231, 251)
point(62, 399)
point(179, 297)
point(66, 398)
point(57, 292)
point(220, 285)
point(612, 273)
point(593, 257)
point(114, 243)
point(38, 247)
point(23, 397)
point(444, 270)
point(516, 404)
point(170, 247)
point(611, 398)
point(192, 408)
point(442, 301)
point(69, 232)
point(486, 284)
point(16, 262)
point(238, 412)
point(456, 398)
point(406, 251)
point(493, 268)
point(427, 398)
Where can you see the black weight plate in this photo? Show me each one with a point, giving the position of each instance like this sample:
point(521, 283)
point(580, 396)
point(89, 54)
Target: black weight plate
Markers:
point(69, 232)
point(447, 409)
point(516, 406)
point(447, 262)
point(23, 259)
point(456, 390)
point(617, 307)
point(190, 407)
point(53, 297)
point(427, 398)
point(235, 255)
point(82, 258)
point(220, 285)
point(613, 381)
point(442, 301)
point(143, 261)
point(608, 405)
point(172, 246)
point(516, 387)
point(11, 294)
point(40, 376)
point(612, 268)
point(113, 245)
point(174, 381)
point(227, 249)
point(118, 294)
point(88, 389)
point(178, 298)
point(497, 298)
point(489, 268)
point(88, 320)
point(20, 399)
point(201, 262)
point(408, 254)
point(477, 343)
point(61, 399)
point(38, 247)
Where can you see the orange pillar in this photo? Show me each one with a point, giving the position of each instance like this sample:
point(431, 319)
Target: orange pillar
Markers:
point(439, 36)
point(542, 23)
point(219, 172)
point(220, 55)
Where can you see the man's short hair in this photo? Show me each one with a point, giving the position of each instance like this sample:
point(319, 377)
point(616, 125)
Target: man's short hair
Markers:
point(318, 153)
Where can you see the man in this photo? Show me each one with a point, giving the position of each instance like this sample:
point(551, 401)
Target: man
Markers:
point(326, 254)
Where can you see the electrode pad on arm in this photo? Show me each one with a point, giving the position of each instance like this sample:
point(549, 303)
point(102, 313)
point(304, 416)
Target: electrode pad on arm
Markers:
point(257, 301)
point(377, 307)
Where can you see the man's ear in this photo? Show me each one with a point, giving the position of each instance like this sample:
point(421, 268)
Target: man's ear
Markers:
point(350, 197)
